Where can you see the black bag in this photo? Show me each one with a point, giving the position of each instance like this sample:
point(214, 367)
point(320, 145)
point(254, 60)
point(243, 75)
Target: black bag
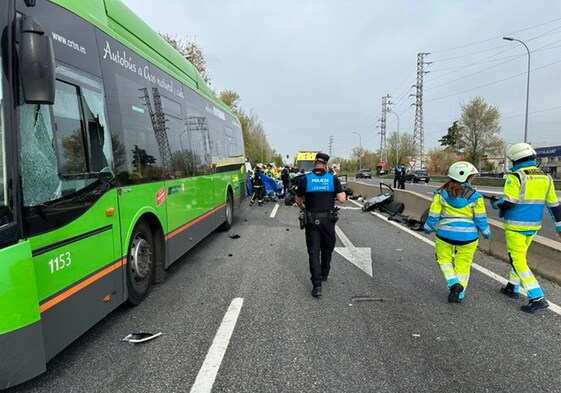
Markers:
point(393, 208)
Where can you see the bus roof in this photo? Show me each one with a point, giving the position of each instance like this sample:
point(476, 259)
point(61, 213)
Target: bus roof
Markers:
point(117, 20)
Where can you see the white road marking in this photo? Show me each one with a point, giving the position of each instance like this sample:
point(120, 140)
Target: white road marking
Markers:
point(274, 212)
point(207, 373)
point(552, 306)
point(349, 208)
point(361, 257)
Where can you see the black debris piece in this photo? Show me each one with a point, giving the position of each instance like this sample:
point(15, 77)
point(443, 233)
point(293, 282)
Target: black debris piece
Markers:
point(234, 236)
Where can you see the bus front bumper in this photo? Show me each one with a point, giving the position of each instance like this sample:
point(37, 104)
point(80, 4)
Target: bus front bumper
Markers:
point(22, 355)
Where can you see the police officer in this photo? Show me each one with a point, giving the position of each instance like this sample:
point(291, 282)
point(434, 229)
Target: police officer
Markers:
point(526, 191)
point(316, 196)
point(397, 175)
point(402, 177)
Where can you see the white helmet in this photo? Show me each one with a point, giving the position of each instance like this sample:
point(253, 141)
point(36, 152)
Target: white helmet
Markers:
point(520, 151)
point(461, 170)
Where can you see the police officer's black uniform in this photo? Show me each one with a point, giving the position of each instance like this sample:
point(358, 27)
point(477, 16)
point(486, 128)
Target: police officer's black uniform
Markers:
point(319, 189)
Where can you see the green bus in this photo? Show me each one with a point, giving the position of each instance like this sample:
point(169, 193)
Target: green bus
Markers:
point(115, 160)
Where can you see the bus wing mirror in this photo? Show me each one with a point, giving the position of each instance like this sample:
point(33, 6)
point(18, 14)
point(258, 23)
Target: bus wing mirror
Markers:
point(36, 63)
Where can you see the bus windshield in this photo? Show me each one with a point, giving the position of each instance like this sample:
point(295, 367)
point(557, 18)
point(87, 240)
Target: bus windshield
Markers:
point(66, 147)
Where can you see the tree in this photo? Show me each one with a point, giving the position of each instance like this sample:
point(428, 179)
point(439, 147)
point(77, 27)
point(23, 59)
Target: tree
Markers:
point(452, 140)
point(481, 130)
point(191, 51)
point(440, 160)
point(370, 159)
point(231, 98)
point(400, 148)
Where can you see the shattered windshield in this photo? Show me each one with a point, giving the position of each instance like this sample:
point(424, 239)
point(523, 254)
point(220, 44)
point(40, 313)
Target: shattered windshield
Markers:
point(65, 148)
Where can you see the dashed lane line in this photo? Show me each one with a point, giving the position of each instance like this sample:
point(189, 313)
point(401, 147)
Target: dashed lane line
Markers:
point(207, 374)
point(552, 306)
point(274, 212)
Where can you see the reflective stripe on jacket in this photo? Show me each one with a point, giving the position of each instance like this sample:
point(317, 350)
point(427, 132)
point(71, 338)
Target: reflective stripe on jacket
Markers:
point(529, 190)
point(457, 218)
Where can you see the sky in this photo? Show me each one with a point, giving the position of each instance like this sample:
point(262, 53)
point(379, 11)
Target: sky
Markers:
point(311, 69)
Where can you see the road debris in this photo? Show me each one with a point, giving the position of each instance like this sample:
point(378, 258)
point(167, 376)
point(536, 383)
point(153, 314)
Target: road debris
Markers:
point(137, 338)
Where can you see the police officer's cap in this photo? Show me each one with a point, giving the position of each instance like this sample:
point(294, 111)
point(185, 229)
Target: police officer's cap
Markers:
point(322, 157)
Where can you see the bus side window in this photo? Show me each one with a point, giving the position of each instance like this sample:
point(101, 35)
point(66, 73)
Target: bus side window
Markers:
point(100, 150)
point(69, 130)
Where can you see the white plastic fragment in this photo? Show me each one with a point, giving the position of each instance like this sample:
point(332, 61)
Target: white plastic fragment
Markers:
point(137, 338)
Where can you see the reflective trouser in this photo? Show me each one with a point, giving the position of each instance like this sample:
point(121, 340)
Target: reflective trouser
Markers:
point(517, 246)
point(258, 193)
point(455, 261)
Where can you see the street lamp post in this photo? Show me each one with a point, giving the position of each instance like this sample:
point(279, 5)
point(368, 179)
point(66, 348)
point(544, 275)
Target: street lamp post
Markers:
point(360, 152)
point(527, 86)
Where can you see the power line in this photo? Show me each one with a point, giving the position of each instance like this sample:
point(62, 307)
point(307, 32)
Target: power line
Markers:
point(540, 111)
point(495, 38)
point(494, 82)
point(509, 58)
point(472, 74)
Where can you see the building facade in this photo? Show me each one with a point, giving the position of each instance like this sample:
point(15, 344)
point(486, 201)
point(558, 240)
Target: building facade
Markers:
point(549, 159)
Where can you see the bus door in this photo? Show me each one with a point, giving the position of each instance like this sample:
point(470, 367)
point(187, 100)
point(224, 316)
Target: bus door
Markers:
point(70, 209)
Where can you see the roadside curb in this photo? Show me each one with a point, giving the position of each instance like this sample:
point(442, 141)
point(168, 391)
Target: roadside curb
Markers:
point(544, 256)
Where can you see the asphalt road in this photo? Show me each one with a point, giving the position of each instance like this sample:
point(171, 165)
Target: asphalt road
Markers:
point(547, 230)
point(284, 340)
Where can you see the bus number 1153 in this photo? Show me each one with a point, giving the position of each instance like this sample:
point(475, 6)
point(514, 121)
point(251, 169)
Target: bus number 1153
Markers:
point(60, 262)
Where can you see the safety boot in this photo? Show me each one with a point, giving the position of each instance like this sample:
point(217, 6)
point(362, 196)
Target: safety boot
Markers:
point(509, 291)
point(535, 305)
point(454, 296)
point(316, 292)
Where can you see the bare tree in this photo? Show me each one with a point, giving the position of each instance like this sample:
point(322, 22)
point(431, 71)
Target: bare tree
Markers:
point(191, 51)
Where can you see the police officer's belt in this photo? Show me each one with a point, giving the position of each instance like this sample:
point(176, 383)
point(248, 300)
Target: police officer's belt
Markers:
point(320, 215)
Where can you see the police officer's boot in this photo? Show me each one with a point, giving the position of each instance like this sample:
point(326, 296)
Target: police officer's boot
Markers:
point(535, 305)
point(316, 292)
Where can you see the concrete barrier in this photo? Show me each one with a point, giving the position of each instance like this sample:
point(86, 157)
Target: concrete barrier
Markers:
point(544, 256)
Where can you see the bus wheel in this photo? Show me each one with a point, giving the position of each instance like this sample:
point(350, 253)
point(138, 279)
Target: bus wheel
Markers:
point(227, 224)
point(140, 266)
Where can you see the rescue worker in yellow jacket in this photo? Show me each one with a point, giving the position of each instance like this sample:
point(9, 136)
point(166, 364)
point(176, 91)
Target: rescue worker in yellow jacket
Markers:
point(457, 214)
point(527, 191)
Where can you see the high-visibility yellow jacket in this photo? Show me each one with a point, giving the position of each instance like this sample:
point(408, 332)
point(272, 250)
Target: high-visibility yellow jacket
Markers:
point(458, 218)
point(526, 192)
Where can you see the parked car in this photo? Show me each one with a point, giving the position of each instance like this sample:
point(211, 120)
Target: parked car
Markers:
point(417, 176)
point(364, 174)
